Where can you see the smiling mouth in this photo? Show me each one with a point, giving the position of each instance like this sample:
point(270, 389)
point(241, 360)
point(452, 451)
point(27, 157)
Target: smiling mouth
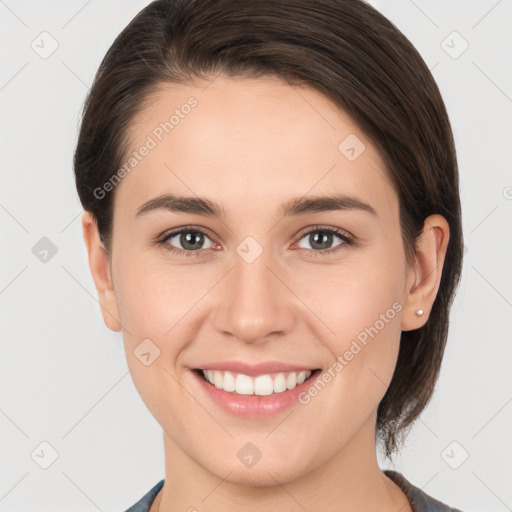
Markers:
point(262, 385)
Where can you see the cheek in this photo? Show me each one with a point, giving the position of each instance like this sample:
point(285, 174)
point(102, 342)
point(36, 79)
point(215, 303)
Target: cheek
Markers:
point(154, 298)
point(363, 306)
point(160, 308)
point(153, 304)
point(353, 296)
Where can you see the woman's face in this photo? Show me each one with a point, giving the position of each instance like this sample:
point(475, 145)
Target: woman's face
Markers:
point(256, 287)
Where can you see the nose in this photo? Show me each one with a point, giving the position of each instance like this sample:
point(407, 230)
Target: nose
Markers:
point(256, 303)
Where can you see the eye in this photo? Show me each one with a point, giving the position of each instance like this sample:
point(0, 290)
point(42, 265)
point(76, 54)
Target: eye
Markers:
point(321, 239)
point(190, 241)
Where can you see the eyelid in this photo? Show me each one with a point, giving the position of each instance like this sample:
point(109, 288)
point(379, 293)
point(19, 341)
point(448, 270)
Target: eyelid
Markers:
point(321, 227)
point(172, 232)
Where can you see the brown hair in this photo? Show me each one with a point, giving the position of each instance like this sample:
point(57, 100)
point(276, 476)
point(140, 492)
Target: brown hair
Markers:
point(346, 50)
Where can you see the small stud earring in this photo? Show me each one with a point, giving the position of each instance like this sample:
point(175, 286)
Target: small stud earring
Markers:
point(419, 312)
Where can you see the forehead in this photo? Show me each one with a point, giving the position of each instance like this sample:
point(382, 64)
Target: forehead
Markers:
point(248, 142)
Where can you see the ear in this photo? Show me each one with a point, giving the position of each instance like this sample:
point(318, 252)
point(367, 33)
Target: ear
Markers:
point(424, 278)
point(99, 263)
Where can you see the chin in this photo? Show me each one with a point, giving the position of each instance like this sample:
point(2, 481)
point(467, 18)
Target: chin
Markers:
point(266, 472)
point(264, 476)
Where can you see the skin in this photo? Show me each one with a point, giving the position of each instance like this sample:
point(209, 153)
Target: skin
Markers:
point(251, 145)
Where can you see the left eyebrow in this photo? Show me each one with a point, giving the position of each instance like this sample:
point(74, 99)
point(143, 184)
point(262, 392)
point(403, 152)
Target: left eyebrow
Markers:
point(294, 207)
point(315, 204)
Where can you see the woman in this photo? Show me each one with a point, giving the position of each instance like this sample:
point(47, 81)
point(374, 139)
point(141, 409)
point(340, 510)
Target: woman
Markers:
point(273, 222)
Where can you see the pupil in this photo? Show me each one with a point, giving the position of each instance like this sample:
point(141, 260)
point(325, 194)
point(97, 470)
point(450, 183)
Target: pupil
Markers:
point(188, 239)
point(321, 237)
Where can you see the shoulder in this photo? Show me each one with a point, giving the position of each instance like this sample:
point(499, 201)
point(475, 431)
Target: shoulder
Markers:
point(420, 501)
point(144, 504)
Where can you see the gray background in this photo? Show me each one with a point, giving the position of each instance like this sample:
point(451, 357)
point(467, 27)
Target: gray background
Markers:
point(63, 375)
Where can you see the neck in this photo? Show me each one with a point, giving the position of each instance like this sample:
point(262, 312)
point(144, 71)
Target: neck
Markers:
point(350, 481)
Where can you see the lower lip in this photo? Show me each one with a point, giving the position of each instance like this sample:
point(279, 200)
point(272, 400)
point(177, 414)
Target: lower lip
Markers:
point(254, 406)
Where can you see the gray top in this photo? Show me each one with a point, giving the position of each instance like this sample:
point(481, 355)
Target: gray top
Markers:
point(420, 502)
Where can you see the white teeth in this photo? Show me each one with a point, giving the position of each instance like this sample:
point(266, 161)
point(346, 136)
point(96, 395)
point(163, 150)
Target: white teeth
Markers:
point(217, 380)
point(244, 384)
point(291, 380)
point(262, 385)
point(229, 383)
point(279, 383)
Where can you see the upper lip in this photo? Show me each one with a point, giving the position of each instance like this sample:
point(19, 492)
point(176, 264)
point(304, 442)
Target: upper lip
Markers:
point(254, 370)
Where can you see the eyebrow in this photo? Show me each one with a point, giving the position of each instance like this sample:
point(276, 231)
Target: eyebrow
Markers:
point(297, 206)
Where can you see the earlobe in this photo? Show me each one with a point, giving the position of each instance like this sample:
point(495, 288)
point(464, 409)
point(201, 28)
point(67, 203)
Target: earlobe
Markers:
point(424, 279)
point(100, 269)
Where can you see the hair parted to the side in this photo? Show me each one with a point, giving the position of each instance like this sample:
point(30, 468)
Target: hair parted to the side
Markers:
point(346, 50)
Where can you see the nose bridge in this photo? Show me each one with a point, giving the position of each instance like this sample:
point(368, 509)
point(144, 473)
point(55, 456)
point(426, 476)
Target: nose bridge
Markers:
point(256, 304)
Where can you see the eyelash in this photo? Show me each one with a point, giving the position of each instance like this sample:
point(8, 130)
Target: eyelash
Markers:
point(162, 240)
